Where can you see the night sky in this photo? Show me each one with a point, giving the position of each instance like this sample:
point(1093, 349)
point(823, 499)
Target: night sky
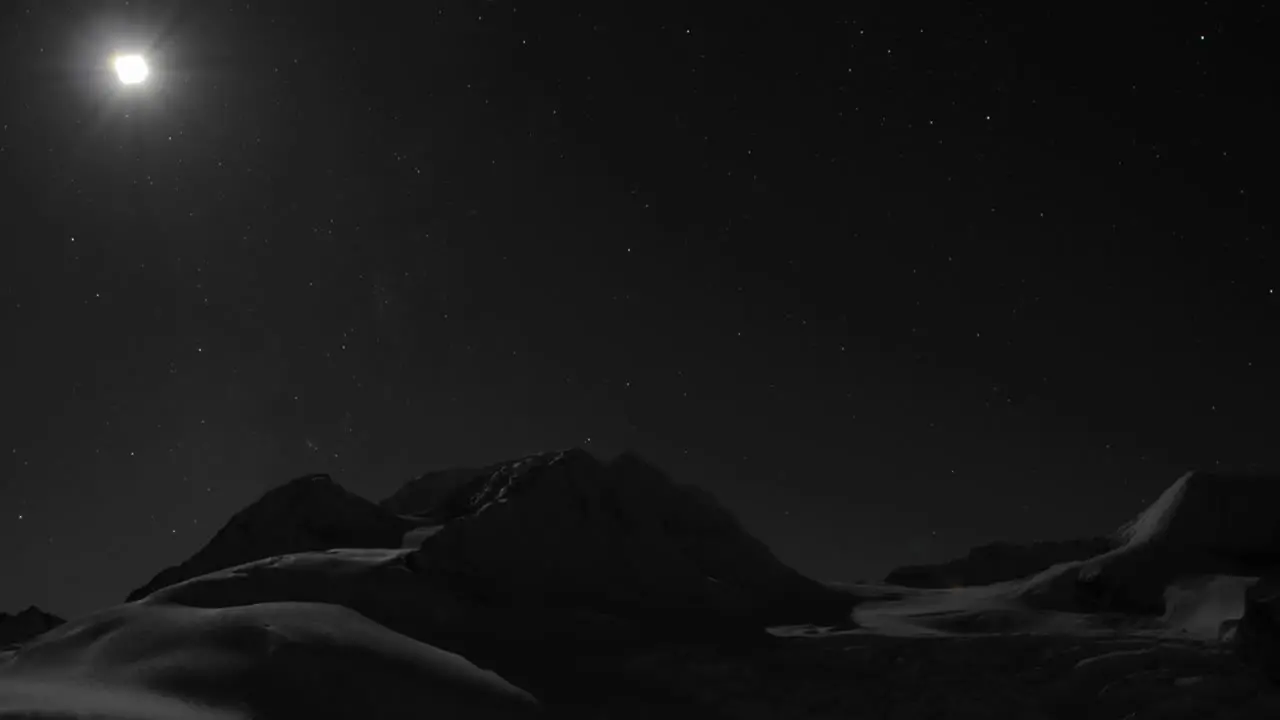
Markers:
point(889, 283)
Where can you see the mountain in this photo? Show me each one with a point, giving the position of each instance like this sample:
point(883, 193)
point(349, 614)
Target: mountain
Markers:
point(552, 529)
point(558, 527)
point(1258, 639)
point(427, 493)
point(542, 569)
point(1205, 523)
point(308, 513)
point(559, 586)
point(1000, 561)
point(29, 623)
point(621, 537)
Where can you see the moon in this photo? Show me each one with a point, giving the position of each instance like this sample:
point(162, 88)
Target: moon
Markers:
point(131, 69)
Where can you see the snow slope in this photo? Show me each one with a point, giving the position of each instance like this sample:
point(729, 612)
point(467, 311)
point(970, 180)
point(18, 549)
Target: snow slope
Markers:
point(266, 661)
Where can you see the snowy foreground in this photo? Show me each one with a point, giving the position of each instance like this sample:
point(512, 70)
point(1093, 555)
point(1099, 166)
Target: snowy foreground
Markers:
point(557, 586)
point(977, 653)
point(303, 660)
point(965, 653)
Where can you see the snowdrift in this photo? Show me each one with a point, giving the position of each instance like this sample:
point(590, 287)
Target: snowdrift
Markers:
point(272, 660)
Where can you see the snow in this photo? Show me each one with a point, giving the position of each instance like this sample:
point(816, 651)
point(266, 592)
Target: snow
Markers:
point(1221, 512)
point(951, 653)
point(393, 632)
point(61, 698)
point(285, 659)
point(1156, 519)
point(1196, 607)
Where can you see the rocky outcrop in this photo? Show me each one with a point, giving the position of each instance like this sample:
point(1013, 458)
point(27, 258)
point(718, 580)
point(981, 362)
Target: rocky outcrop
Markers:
point(426, 495)
point(999, 562)
point(1257, 634)
point(1206, 607)
point(1204, 524)
point(309, 513)
point(30, 623)
point(564, 529)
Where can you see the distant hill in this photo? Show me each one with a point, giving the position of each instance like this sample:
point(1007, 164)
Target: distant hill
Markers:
point(25, 625)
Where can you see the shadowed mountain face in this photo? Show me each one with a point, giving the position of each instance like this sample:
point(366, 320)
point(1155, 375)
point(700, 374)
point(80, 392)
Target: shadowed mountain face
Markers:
point(433, 495)
point(1000, 561)
point(558, 583)
point(1204, 524)
point(25, 625)
point(1259, 628)
point(535, 568)
point(620, 537)
point(1227, 514)
point(308, 513)
point(554, 528)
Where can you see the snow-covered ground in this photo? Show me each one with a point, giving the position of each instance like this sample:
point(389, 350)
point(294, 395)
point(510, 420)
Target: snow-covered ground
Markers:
point(144, 661)
point(358, 632)
point(1196, 609)
point(958, 653)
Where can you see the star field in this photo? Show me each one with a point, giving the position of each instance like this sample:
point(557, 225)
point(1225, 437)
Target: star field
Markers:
point(889, 283)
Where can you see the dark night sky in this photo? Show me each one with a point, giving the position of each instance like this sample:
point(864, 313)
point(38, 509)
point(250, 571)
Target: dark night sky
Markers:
point(889, 283)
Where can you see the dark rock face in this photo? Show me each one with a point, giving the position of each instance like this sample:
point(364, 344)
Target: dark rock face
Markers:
point(539, 569)
point(618, 544)
point(564, 529)
point(1226, 514)
point(32, 622)
point(1257, 634)
point(998, 562)
point(428, 495)
point(308, 513)
point(1204, 524)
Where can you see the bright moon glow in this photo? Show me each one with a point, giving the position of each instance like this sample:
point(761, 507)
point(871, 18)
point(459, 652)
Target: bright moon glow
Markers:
point(131, 69)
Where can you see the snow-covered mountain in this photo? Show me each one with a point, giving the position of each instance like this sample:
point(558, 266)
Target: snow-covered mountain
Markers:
point(560, 586)
point(308, 513)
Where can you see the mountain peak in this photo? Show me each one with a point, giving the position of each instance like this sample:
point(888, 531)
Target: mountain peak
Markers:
point(311, 512)
point(25, 625)
point(564, 524)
